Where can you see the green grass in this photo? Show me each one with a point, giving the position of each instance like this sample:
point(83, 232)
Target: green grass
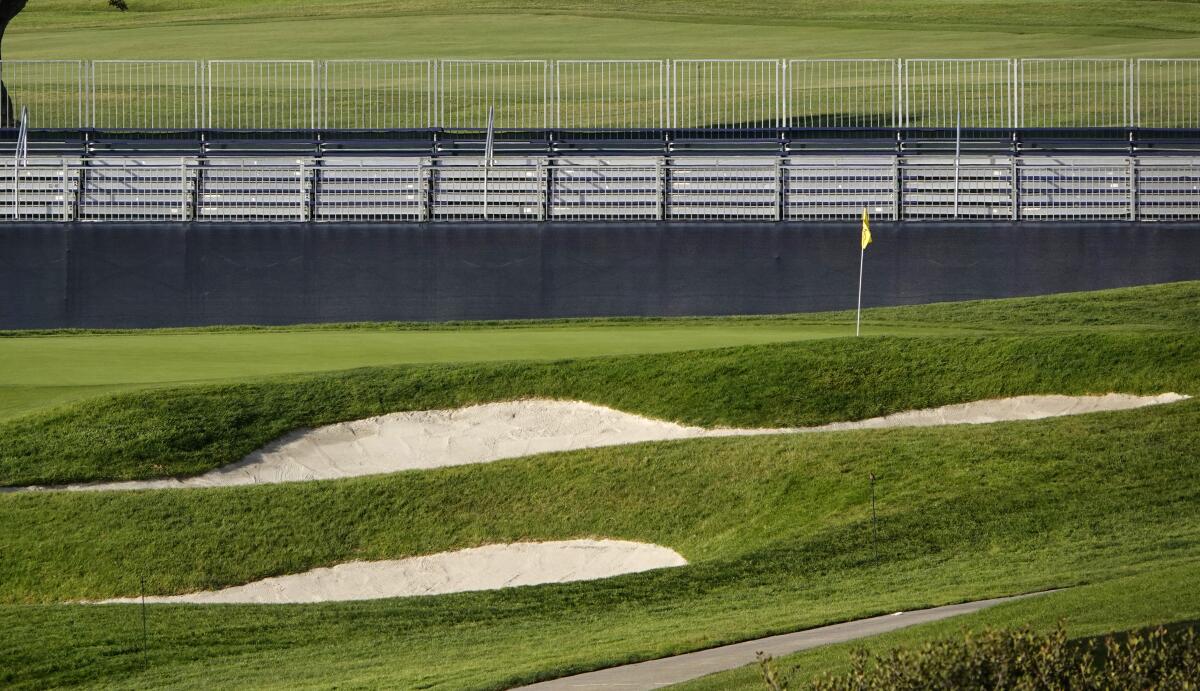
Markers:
point(182, 431)
point(776, 529)
point(623, 29)
point(44, 369)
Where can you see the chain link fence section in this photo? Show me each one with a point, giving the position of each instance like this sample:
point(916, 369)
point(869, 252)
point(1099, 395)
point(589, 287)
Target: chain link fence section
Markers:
point(1074, 92)
point(377, 94)
point(518, 90)
point(841, 93)
point(54, 91)
point(1168, 93)
point(145, 94)
point(944, 93)
point(717, 98)
point(610, 95)
point(261, 95)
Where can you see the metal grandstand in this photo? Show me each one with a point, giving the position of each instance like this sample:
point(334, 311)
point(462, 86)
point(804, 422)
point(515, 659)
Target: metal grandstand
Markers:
point(425, 140)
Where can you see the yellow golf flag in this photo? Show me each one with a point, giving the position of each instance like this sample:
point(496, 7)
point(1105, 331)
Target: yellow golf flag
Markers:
point(866, 229)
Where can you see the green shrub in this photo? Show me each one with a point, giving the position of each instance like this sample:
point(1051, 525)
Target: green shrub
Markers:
point(1020, 660)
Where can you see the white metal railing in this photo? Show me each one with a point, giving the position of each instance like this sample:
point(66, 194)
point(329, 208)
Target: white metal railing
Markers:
point(841, 93)
point(944, 93)
point(145, 94)
point(21, 150)
point(377, 94)
point(766, 188)
point(725, 96)
point(711, 97)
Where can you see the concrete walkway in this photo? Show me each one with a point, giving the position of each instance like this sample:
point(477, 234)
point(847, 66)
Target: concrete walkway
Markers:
point(673, 670)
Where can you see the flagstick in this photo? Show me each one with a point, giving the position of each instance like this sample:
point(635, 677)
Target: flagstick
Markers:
point(862, 252)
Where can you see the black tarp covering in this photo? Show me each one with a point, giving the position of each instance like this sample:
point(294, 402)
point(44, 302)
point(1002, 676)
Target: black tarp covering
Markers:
point(174, 274)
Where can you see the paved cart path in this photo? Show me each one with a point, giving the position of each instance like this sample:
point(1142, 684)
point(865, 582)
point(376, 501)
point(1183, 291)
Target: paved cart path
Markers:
point(673, 670)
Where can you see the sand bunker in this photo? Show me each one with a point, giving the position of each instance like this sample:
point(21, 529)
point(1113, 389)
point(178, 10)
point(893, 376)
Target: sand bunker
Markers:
point(481, 568)
point(495, 431)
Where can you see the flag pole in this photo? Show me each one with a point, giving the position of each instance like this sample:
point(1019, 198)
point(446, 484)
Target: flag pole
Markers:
point(862, 252)
point(864, 240)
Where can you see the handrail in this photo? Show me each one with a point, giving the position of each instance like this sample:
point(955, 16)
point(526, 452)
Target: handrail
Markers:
point(21, 152)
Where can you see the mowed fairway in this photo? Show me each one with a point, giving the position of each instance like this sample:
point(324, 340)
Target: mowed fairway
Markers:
point(776, 529)
point(39, 371)
point(575, 29)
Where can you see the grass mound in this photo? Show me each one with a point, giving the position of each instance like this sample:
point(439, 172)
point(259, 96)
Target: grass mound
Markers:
point(777, 530)
point(174, 432)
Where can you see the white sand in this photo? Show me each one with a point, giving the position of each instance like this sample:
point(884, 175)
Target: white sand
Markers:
point(481, 568)
point(495, 431)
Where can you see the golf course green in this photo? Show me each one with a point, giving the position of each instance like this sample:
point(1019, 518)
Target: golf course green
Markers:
point(776, 529)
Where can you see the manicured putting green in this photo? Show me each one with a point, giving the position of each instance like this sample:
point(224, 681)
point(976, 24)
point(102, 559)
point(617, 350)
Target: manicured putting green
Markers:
point(40, 371)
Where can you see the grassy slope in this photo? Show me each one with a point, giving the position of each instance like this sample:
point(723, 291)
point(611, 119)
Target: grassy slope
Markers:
point(42, 371)
point(776, 528)
point(578, 29)
point(45, 369)
point(188, 430)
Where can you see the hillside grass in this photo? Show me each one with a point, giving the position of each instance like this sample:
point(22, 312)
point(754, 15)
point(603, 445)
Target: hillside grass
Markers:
point(184, 431)
point(44, 369)
point(618, 29)
point(776, 529)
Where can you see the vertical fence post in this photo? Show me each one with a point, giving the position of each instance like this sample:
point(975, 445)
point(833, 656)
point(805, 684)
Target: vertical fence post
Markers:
point(1133, 188)
point(1014, 181)
point(305, 201)
point(661, 171)
point(546, 185)
point(897, 189)
point(1132, 91)
point(780, 190)
point(185, 196)
point(431, 190)
point(422, 193)
point(957, 158)
point(66, 193)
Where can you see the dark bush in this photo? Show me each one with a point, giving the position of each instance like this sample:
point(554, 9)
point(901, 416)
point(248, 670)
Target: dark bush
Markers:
point(1020, 660)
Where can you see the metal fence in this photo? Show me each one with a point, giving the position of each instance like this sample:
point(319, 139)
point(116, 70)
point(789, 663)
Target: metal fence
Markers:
point(709, 97)
point(747, 188)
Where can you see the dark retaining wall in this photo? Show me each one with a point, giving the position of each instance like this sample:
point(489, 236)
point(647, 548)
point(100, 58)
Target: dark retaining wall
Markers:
point(144, 275)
